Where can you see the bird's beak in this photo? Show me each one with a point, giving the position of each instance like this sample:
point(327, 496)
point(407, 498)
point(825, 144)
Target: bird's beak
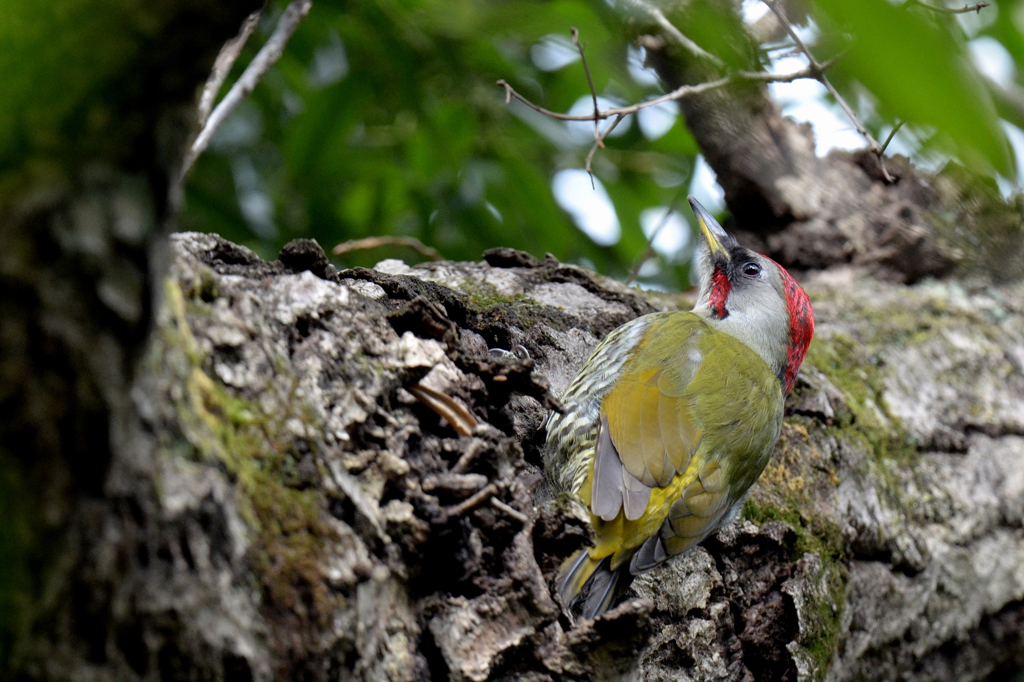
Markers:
point(719, 241)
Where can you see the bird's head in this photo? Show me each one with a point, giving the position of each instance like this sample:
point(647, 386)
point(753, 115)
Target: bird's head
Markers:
point(752, 298)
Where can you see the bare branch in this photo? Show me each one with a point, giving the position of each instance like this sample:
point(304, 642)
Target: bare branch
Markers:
point(457, 416)
point(892, 134)
point(600, 143)
point(590, 81)
point(222, 65)
point(387, 240)
point(819, 72)
point(668, 27)
point(677, 94)
point(966, 9)
point(509, 510)
point(680, 93)
point(250, 78)
point(649, 251)
point(472, 503)
point(815, 70)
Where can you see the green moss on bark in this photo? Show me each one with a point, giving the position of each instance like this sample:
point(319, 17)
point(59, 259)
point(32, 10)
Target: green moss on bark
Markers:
point(260, 450)
point(821, 615)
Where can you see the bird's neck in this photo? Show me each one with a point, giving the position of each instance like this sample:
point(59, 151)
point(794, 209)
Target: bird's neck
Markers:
point(759, 330)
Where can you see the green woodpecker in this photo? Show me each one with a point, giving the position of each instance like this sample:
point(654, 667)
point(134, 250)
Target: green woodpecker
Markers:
point(675, 415)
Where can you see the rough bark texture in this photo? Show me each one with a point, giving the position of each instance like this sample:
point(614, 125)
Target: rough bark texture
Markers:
point(253, 494)
point(84, 211)
point(287, 509)
point(809, 212)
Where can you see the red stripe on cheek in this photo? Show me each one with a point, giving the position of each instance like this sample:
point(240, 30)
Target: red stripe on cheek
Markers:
point(720, 287)
point(801, 326)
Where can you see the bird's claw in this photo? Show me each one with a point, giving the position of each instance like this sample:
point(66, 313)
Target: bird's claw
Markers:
point(518, 351)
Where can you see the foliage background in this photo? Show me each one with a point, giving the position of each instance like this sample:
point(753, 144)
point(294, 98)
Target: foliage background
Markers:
point(383, 118)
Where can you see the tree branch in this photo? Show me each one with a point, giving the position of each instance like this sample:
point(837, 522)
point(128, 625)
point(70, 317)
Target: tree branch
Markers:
point(250, 78)
point(387, 240)
point(649, 251)
point(677, 94)
point(590, 81)
point(966, 9)
point(222, 66)
point(662, 21)
point(820, 76)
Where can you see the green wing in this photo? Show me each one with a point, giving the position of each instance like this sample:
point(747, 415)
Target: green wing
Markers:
point(684, 432)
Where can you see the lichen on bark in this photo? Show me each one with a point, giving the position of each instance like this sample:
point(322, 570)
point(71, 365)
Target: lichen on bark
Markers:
point(306, 515)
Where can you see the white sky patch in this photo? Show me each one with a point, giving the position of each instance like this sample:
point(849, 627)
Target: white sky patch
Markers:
point(832, 129)
point(673, 236)
point(753, 10)
point(635, 57)
point(649, 268)
point(554, 52)
point(972, 22)
point(330, 63)
point(705, 188)
point(904, 142)
point(582, 132)
point(993, 60)
point(809, 33)
point(591, 209)
point(655, 121)
point(1016, 137)
point(797, 91)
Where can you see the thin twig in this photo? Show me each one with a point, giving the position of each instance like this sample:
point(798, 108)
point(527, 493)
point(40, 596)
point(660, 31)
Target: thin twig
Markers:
point(649, 251)
point(590, 81)
point(677, 94)
point(819, 74)
point(250, 78)
point(966, 9)
point(222, 65)
point(471, 503)
point(673, 32)
point(467, 458)
point(387, 240)
point(457, 416)
point(509, 510)
point(685, 91)
point(598, 137)
point(600, 143)
point(892, 134)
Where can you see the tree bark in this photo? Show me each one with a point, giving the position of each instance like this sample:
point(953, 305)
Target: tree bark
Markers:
point(96, 117)
point(287, 509)
point(809, 212)
point(236, 483)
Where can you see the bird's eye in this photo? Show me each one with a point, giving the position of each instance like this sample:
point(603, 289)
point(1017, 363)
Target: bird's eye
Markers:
point(751, 269)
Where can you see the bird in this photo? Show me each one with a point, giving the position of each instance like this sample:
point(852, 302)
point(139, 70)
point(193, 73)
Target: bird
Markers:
point(674, 416)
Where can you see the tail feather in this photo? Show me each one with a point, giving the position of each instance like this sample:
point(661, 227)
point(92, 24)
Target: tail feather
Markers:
point(582, 576)
point(603, 590)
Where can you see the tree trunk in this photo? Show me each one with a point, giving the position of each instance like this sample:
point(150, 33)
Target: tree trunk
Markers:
point(284, 508)
point(238, 484)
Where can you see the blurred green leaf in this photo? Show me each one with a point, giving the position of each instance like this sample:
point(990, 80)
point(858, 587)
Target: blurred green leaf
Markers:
point(919, 73)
